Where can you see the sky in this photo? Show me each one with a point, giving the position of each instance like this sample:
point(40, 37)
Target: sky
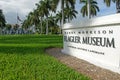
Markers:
point(23, 7)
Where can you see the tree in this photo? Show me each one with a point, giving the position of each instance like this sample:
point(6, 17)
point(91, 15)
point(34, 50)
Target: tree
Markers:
point(44, 7)
point(52, 24)
point(2, 19)
point(51, 20)
point(108, 3)
point(25, 24)
point(59, 19)
point(8, 26)
point(41, 15)
point(93, 8)
point(70, 13)
point(64, 3)
point(33, 18)
point(30, 19)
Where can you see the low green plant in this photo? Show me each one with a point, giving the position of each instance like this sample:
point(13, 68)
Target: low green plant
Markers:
point(23, 57)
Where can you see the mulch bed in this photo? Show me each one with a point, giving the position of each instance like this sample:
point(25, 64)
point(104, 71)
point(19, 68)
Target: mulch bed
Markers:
point(84, 67)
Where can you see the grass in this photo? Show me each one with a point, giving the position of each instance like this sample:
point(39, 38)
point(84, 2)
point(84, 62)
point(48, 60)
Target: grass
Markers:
point(23, 57)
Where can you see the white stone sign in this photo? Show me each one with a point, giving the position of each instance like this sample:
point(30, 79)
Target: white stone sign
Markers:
point(96, 40)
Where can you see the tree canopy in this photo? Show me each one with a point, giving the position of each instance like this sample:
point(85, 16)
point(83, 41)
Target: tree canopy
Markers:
point(2, 19)
point(42, 17)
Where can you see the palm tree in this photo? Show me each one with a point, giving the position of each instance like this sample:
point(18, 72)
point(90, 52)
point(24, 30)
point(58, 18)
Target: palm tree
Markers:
point(117, 5)
point(25, 24)
point(59, 19)
point(30, 19)
point(2, 19)
point(41, 15)
point(93, 8)
point(108, 2)
point(52, 23)
point(64, 3)
point(70, 13)
point(34, 19)
point(44, 7)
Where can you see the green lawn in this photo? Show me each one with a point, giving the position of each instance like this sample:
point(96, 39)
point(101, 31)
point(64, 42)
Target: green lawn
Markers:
point(24, 58)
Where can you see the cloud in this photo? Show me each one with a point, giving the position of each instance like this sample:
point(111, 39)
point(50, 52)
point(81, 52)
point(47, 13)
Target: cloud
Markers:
point(23, 7)
point(104, 10)
point(12, 7)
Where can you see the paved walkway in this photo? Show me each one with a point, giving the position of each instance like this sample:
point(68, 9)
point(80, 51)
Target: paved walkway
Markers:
point(94, 72)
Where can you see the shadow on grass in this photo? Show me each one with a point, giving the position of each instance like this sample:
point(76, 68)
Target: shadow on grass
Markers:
point(21, 50)
point(30, 39)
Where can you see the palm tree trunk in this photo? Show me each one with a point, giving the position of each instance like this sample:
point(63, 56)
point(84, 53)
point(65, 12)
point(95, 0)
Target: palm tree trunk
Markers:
point(41, 25)
point(47, 27)
point(51, 30)
point(60, 27)
point(88, 7)
point(68, 19)
point(62, 5)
